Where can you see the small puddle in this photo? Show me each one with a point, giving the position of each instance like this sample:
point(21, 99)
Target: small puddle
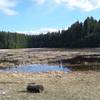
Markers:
point(36, 68)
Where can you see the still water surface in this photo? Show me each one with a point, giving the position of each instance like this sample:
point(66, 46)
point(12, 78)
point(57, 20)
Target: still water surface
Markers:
point(36, 68)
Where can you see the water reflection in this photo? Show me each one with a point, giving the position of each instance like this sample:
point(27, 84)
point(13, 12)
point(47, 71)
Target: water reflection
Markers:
point(60, 66)
point(81, 62)
point(37, 68)
point(82, 67)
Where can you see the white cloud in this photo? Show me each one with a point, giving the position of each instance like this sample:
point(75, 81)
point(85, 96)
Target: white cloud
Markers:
point(39, 2)
point(7, 6)
point(85, 5)
point(43, 30)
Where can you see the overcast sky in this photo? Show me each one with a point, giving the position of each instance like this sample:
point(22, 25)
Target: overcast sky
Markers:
point(43, 15)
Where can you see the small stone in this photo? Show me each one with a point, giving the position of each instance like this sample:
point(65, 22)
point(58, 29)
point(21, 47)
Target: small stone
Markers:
point(33, 88)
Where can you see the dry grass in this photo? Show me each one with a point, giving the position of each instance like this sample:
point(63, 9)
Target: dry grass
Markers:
point(57, 85)
point(15, 57)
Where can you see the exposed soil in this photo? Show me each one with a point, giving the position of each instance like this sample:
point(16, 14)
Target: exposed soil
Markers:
point(57, 86)
point(15, 57)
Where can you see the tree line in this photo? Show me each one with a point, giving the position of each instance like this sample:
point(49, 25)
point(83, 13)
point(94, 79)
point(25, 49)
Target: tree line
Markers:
point(79, 35)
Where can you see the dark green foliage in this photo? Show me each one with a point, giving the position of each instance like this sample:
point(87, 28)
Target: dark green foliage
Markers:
point(79, 35)
point(12, 40)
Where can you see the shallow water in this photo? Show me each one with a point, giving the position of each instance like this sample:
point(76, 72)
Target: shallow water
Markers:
point(37, 68)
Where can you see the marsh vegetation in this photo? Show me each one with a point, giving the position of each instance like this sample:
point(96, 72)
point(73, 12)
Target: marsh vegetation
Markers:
point(78, 84)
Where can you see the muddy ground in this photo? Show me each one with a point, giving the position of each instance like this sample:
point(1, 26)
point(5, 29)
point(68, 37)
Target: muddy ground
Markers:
point(15, 57)
point(75, 85)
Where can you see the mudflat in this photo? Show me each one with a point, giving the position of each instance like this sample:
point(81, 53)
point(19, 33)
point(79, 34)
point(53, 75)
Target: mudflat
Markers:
point(15, 57)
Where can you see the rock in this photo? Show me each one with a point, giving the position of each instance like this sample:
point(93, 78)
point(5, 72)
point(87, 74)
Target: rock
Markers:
point(33, 88)
point(2, 92)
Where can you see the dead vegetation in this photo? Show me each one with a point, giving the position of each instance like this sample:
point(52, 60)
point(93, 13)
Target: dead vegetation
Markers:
point(58, 86)
point(15, 57)
point(76, 85)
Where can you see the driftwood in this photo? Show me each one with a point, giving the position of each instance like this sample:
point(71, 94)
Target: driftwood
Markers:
point(33, 88)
